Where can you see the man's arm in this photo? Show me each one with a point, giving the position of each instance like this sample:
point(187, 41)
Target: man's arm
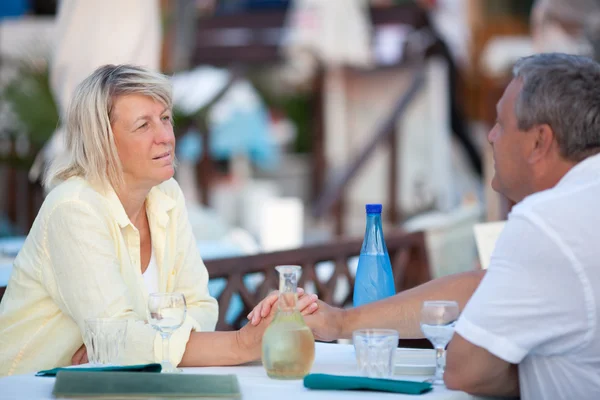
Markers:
point(483, 374)
point(401, 312)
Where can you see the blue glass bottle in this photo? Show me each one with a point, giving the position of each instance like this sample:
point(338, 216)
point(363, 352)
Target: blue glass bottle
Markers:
point(374, 278)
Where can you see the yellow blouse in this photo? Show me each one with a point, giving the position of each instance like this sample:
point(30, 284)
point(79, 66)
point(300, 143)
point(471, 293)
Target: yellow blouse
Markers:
point(81, 260)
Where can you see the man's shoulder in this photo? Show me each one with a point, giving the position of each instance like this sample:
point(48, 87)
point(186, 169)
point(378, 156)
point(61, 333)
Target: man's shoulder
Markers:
point(560, 223)
point(559, 199)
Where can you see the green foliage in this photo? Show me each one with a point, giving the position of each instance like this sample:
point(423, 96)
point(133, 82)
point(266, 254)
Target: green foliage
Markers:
point(295, 105)
point(181, 121)
point(518, 8)
point(298, 109)
point(32, 102)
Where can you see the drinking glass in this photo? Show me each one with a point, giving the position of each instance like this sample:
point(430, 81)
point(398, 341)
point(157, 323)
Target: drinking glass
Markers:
point(375, 349)
point(104, 340)
point(437, 324)
point(166, 313)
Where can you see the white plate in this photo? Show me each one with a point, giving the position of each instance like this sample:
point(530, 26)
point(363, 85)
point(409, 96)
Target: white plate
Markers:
point(414, 362)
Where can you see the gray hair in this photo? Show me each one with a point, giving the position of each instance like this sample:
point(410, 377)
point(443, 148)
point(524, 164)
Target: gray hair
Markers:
point(91, 151)
point(562, 91)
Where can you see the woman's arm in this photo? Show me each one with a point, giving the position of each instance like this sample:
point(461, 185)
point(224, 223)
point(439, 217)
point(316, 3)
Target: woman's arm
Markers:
point(231, 348)
point(225, 348)
point(83, 274)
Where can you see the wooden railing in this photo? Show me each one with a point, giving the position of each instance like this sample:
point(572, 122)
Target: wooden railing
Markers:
point(407, 253)
point(385, 134)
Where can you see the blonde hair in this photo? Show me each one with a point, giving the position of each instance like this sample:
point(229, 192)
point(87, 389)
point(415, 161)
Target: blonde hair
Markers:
point(90, 144)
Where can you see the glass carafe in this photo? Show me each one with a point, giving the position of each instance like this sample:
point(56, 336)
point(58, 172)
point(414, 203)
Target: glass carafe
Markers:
point(288, 346)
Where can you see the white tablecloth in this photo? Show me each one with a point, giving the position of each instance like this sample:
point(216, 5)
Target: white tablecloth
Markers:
point(330, 359)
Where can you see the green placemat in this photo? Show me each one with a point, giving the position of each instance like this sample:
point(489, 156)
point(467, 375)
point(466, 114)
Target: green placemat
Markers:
point(337, 382)
point(128, 385)
point(123, 368)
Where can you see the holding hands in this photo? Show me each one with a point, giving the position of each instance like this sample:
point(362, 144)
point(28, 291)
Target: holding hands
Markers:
point(307, 304)
point(324, 320)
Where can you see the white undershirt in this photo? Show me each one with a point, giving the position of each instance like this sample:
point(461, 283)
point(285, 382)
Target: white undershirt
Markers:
point(150, 275)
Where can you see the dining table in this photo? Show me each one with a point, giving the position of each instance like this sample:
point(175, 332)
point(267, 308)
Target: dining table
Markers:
point(330, 358)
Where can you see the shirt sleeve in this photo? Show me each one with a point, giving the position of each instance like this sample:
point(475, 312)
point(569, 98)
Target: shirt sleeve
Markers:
point(88, 278)
point(191, 276)
point(531, 299)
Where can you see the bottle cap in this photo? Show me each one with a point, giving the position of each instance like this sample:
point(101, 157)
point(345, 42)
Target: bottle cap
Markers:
point(373, 208)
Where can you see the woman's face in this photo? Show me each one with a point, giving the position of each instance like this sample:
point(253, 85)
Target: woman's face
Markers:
point(144, 138)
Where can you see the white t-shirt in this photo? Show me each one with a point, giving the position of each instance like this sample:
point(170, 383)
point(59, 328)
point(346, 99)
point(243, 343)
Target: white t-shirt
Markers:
point(538, 304)
point(150, 275)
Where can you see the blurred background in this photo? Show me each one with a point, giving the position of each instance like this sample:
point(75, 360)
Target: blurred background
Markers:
point(291, 115)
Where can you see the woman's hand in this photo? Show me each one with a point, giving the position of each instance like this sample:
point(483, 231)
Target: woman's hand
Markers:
point(80, 356)
point(249, 339)
point(307, 304)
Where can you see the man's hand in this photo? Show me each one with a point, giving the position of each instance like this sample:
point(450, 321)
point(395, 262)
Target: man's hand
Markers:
point(326, 323)
point(307, 304)
point(80, 356)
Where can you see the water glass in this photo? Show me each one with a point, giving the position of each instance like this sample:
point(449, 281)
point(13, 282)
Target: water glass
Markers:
point(166, 313)
point(437, 324)
point(375, 349)
point(104, 340)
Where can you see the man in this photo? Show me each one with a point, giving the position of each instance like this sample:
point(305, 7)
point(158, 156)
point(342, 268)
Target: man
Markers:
point(530, 324)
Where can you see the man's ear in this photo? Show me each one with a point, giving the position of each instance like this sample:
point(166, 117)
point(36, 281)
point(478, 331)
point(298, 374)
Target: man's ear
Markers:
point(542, 142)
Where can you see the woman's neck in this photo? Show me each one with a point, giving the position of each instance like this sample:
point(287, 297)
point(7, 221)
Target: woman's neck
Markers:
point(134, 203)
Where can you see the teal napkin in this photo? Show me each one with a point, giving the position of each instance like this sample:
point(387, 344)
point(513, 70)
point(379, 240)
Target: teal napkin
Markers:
point(336, 382)
point(125, 368)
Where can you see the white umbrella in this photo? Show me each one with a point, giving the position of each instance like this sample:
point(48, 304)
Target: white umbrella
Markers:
point(334, 32)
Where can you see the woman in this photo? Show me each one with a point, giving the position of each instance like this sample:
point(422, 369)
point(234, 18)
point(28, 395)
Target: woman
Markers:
point(113, 228)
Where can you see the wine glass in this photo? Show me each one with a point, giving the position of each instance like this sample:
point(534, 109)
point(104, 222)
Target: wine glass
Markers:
point(437, 324)
point(166, 313)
